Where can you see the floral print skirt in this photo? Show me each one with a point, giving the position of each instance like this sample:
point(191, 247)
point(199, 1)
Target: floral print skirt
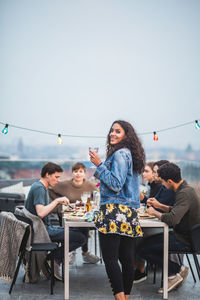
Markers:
point(118, 219)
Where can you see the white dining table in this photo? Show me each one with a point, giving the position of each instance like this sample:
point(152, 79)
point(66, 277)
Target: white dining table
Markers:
point(155, 223)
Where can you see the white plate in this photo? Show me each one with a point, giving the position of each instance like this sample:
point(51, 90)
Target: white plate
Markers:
point(74, 218)
point(146, 216)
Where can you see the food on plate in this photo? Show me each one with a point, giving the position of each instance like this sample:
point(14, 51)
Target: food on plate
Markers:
point(79, 204)
point(75, 218)
point(145, 215)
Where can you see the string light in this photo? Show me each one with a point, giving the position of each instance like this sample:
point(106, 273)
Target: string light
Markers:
point(197, 125)
point(59, 139)
point(155, 137)
point(5, 130)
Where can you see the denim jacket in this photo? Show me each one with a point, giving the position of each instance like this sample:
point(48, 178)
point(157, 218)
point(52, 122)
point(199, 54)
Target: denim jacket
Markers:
point(119, 184)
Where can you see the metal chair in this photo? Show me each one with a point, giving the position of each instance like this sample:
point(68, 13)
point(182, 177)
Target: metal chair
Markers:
point(195, 241)
point(194, 251)
point(48, 247)
point(21, 254)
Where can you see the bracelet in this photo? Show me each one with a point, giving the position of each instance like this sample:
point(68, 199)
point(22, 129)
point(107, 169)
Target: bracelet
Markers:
point(99, 165)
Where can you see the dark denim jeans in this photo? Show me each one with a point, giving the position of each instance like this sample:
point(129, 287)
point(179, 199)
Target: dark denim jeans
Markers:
point(77, 238)
point(151, 249)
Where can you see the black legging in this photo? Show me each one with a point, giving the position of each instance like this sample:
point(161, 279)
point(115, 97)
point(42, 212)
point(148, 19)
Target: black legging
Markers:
point(117, 247)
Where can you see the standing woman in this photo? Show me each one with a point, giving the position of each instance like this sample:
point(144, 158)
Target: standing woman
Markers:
point(117, 221)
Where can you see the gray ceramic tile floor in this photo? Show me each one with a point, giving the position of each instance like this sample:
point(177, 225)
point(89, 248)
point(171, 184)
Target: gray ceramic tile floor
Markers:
point(89, 282)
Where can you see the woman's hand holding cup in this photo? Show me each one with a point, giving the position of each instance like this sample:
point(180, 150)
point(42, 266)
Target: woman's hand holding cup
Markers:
point(94, 158)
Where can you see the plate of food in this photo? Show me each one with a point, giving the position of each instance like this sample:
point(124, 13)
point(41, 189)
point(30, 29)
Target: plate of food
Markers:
point(76, 215)
point(74, 218)
point(73, 210)
point(145, 216)
point(67, 211)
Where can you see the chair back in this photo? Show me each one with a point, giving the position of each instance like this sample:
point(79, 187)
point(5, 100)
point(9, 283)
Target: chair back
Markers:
point(25, 240)
point(28, 221)
point(195, 238)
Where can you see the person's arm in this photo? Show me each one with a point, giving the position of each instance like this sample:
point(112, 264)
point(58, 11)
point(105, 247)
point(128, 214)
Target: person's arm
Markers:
point(115, 178)
point(177, 212)
point(44, 210)
point(155, 203)
point(151, 211)
point(144, 201)
point(141, 196)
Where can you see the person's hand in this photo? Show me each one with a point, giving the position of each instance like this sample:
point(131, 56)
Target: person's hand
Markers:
point(63, 200)
point(94, 158)
point(141, 196)
point(151, 211)
point(153, 202)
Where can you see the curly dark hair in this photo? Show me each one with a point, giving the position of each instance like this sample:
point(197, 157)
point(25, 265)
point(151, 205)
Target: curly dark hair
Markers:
point(130, 141)
point(160, 163)
point(170, 171)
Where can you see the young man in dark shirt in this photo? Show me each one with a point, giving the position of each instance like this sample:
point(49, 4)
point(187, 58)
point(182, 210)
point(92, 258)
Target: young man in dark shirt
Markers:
point(164, 196)
point(181, 216)
point(38, 204)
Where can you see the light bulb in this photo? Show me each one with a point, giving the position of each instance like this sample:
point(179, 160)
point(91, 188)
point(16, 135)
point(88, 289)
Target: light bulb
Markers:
point(155, 137)
point(197, 125)
point(59, 139)
point(5, 130)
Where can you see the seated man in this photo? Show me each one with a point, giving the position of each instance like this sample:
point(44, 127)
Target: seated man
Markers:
point(181, 216)
point(163, 196)
point(38, 204)
point(73, 189)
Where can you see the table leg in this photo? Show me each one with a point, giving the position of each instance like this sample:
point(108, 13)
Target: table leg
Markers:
point(66, 262)
point(165, 263)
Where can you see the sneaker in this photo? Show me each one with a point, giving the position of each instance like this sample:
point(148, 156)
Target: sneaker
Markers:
point(139, 276)
point(89, 258)
point(72, 257)
point(57, 272)
point(172, 283)
point(184, 273)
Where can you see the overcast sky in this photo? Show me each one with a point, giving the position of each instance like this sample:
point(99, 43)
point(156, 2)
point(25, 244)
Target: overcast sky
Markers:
point(73, 67)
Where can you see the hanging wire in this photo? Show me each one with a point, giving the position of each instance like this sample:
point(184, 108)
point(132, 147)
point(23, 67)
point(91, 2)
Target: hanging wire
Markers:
point(52, 133)
point(169, 128)
point(92, 136)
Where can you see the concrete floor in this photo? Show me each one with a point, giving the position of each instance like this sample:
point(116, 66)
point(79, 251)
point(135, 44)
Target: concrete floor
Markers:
point(89, 282)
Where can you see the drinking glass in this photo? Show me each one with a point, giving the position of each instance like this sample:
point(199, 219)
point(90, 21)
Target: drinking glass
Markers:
point(96, 199)
point(85, 196)
point(142, 209)
point(93, 149)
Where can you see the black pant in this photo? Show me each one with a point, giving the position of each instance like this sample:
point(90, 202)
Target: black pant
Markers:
point(117, 247)
point(85, 232)
point(77, 238)
point(151, 249)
